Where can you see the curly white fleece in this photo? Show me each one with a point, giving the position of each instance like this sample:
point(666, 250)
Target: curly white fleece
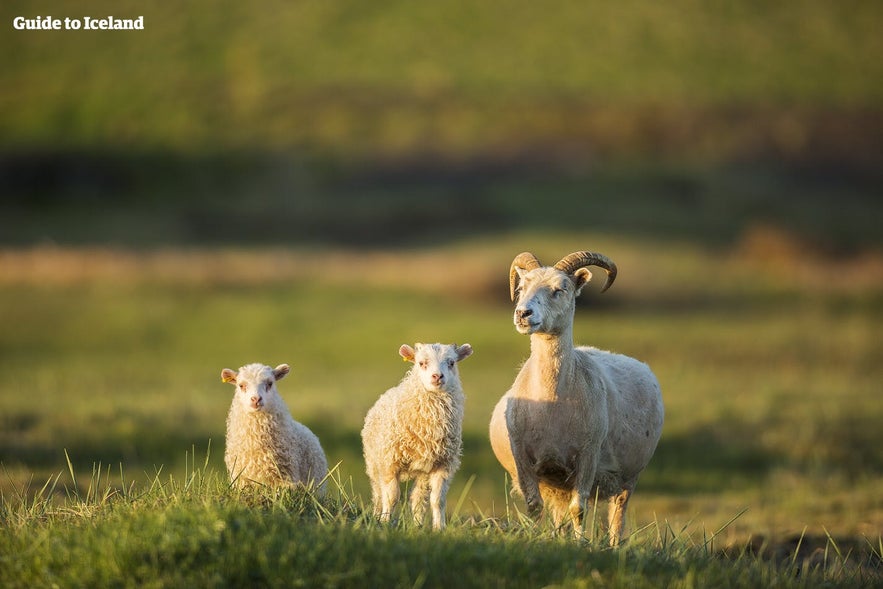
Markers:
point(414, 431)
point(267, 446)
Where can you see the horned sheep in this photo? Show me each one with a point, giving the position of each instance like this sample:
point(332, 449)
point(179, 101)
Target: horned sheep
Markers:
point(414, 431)
point(265, 445)
point(578, 422)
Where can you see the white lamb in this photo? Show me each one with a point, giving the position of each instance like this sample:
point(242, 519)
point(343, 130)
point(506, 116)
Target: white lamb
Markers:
point(414, 431)
point(265, 445)
point(578, 422)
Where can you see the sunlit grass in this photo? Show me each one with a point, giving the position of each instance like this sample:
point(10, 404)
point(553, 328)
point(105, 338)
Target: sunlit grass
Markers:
point(770, 375)
point(196, 529)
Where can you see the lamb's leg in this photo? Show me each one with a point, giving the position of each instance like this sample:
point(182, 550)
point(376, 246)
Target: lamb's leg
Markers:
point(438, 483)
point(376, 489)
point(418, 498)
point(616, 515)
point(376, 498)
point(389, 497)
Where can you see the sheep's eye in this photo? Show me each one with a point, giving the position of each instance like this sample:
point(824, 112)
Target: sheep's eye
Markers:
point(450, 363)
point(557, 292)
point(422, 363)
point(242, 387)
point(269, 384)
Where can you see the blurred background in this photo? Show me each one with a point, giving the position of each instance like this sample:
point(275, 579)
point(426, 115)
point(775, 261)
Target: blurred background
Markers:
point(318, 182)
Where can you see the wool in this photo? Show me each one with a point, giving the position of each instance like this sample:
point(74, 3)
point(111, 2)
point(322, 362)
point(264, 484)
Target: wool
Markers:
point(265, 445)
point(578, 423)
point(414, 432)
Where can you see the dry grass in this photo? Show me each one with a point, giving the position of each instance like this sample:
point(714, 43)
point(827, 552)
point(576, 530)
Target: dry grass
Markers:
point(474, 267)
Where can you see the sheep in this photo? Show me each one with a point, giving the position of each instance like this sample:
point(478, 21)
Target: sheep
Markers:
point(265, 445)
point(414, 431)
point(578, 423)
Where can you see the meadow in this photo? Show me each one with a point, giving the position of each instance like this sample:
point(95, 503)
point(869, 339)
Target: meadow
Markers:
point(769, 368)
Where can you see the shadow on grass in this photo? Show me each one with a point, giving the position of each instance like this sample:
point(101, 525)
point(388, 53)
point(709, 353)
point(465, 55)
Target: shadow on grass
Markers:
point(164, 198)
point(138, 445)
point(708, 460)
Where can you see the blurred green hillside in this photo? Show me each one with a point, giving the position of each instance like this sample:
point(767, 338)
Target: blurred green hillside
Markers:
point(449, 77)
point(342, 122)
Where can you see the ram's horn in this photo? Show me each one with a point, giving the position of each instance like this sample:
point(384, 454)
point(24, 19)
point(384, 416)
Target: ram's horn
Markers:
point(525, 261)
point(573, 262)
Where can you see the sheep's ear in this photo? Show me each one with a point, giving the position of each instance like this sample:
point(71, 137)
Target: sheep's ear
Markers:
point(228, 375)
point(580, 278)
point(407, 353)
point(464, 352)
point(280, 371)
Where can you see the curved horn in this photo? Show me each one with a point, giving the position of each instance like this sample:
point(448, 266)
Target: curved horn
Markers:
point(573, 262)
point(525, 261)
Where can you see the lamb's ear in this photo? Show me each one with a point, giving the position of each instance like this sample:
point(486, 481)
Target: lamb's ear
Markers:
point(280, 371)
point(228, 375)
point(580, 278)
point(407, 353)
point(463, 352)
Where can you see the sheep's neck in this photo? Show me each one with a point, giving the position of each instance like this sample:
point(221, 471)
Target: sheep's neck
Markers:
point(552, 363)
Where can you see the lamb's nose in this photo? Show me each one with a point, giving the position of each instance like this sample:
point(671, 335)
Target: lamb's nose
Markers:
point(438, 378)
point(523, 313)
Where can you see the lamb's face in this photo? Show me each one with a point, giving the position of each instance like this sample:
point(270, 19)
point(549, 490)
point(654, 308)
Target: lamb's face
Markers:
point(546, 298)
point(436, 364)
point(255, 385)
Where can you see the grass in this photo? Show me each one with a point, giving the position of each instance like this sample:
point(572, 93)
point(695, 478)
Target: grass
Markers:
point(769, 370)
point(197, 531)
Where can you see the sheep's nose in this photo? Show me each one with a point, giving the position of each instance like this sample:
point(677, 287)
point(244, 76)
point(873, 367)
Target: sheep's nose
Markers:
point(523, 313)
point(438, 378)
point(256, 401)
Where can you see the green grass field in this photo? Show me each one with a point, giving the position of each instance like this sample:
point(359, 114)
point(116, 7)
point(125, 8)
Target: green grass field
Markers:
point(769, 368)
point(195, 531)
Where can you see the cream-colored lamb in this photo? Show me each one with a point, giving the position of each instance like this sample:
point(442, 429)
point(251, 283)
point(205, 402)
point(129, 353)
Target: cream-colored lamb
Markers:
point(265, 445)
point(414, 431)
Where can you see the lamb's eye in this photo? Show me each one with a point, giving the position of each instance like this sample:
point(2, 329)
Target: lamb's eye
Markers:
point(422, 363)
point(242, 387)
point(269, 384)
point(450, 363)
point(557, 292)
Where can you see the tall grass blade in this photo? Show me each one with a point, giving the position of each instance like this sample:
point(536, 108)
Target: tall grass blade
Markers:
point(462, 497)
point(70, 468)
point(724, 527)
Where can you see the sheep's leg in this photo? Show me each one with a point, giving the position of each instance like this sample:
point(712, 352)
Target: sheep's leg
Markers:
point(582, 497)
point(438, 483)
point(528, 482)
point(389, 497)
point(616, 515)
point(556, 502)
point(418, 498)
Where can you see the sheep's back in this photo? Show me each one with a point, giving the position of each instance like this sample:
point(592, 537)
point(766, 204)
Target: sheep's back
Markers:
point(635, 408)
